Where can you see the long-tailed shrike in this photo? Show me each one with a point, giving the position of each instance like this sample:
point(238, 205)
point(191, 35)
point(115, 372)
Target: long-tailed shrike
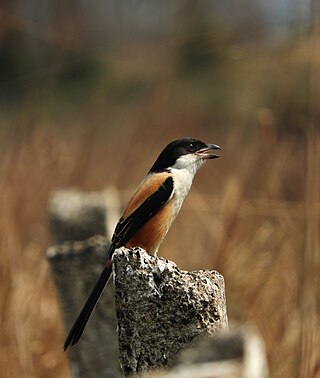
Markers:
point(150, 212)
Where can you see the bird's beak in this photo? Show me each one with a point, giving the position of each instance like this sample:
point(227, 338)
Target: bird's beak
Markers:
point(206, 152)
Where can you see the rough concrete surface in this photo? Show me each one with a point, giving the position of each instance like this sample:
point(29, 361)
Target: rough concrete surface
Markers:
point(162, 309)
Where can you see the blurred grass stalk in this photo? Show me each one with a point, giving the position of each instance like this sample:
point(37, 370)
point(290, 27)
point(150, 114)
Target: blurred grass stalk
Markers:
point(310, 267)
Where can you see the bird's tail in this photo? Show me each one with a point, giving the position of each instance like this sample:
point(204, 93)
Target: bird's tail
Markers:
point(81, 321)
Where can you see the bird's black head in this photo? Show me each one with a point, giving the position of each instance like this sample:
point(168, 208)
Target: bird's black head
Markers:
point(193, 149)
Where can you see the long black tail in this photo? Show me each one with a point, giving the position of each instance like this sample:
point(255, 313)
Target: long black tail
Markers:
point(81, 321)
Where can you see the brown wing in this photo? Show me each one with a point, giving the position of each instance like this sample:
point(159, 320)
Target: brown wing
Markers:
point(149, 199)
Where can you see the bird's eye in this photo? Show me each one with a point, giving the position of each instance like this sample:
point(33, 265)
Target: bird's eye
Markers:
point(192, 147)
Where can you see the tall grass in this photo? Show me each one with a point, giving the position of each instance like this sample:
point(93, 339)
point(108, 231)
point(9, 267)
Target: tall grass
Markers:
point(232, 222)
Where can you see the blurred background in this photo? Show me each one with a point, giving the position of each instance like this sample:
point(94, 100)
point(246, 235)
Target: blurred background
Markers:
point(90, 93)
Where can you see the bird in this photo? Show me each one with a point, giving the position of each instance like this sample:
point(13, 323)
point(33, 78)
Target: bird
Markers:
point(150, 212)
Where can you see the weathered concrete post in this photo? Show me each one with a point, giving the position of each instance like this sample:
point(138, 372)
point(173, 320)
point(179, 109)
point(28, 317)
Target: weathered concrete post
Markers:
point(76, 265)
point(162, 309)
point(75, 268)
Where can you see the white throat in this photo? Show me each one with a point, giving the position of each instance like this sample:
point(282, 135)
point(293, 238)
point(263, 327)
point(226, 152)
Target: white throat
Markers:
point(183, 172)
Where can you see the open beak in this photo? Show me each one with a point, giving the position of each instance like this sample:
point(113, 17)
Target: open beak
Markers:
point(206, 152)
